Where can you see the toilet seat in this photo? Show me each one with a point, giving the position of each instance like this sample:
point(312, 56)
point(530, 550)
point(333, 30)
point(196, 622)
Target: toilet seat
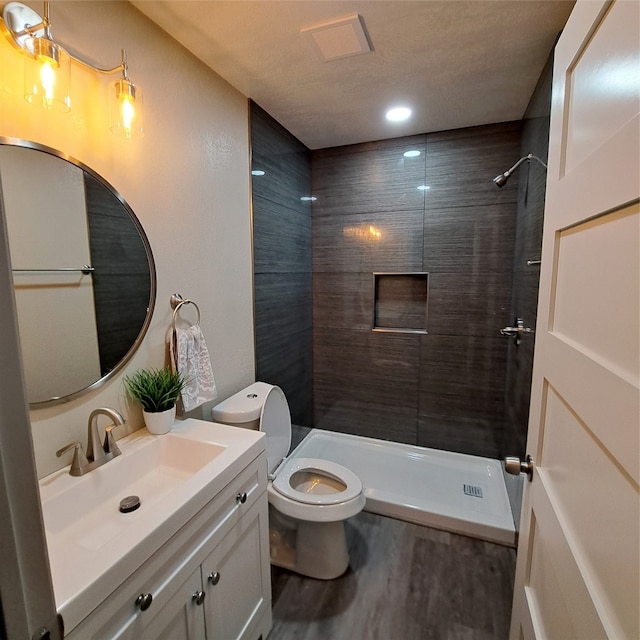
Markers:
point(331, 470)
point(265, 406)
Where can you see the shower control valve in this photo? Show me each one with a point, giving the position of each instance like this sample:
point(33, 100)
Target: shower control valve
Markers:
point(517, 331)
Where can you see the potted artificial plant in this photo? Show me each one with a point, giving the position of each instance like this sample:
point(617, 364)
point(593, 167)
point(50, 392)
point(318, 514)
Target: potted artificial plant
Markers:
point(157, 390)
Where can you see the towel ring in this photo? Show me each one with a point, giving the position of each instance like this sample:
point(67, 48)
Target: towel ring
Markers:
point(177, 301)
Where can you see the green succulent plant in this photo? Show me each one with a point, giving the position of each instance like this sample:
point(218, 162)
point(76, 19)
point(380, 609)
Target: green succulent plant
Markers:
point(156, 389)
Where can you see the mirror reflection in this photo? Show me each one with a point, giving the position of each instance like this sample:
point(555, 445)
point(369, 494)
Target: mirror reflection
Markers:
point(83, 272)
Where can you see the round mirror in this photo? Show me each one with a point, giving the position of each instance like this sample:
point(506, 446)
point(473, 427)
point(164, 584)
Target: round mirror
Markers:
point(83, 271)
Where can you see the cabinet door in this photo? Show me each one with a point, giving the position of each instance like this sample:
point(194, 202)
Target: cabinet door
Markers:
point(181, 618)
point(236, 578)
point(173, 615)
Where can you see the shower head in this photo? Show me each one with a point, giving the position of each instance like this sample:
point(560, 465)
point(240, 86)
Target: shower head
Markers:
point(501, 180)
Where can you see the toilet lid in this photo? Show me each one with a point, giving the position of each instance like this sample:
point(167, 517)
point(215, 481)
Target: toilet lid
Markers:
point(282, 482)
point(275, 422)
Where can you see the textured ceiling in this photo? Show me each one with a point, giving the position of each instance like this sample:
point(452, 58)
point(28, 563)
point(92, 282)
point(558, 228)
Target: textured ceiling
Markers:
point(456, 63)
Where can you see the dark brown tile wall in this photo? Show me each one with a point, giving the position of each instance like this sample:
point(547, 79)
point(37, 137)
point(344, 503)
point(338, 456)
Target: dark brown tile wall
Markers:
point(282, 262)
point(528, 245)
point(444, 389)
point(366, 383)
point(452, 388)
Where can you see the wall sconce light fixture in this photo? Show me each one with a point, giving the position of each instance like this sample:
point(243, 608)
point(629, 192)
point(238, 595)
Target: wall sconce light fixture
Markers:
point(47, 80)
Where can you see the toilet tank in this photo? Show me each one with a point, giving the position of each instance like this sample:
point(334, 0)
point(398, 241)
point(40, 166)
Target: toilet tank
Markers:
point(243, 408)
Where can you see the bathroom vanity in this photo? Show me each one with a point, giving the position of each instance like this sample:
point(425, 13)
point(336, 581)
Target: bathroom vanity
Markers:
point(191, 562)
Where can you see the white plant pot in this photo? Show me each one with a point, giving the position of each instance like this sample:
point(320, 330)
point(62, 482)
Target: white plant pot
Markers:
point(160, 422)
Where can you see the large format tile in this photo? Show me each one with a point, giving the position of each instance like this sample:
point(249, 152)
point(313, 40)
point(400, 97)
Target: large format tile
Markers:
point(282, 237)
point(369, 178)
point(374, 241)
point(359, 411)
point(367, 219)
point(284, 338)
point(282, 307)
point(470, 239)
point(343, 300)
point(285, 161)
point(461, 166)
point(477, 304)
point(366, 383)
point(471, 435)
point(282, 262)
point(462, 376)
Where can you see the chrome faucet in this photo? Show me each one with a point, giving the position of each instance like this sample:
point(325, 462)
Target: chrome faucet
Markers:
point(98, 452)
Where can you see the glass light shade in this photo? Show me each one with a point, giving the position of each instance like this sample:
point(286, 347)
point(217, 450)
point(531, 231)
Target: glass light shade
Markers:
point(47, 74)
point(125, 109)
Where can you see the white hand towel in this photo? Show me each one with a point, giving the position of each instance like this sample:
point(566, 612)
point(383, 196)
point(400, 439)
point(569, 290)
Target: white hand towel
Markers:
point(190, 356)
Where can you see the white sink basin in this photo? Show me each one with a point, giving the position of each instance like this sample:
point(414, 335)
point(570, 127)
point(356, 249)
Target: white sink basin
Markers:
point(93, 547)
point(87, 513)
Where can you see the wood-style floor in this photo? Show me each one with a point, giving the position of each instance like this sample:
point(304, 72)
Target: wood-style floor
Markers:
point(405, 582)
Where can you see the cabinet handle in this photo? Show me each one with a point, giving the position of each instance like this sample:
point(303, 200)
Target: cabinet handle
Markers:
point(214, 578)
point(198, 597)
point(144, 601)
point(242, 497)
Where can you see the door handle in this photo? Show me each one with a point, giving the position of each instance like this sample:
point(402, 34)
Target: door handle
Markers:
point(515, 466)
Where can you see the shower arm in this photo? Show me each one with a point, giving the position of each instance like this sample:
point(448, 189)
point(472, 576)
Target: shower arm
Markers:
point(528, 158)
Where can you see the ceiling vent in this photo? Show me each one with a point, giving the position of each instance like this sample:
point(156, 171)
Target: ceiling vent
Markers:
point(338, 38)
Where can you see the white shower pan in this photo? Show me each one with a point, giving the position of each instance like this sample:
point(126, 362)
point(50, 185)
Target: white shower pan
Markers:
point(451, 491)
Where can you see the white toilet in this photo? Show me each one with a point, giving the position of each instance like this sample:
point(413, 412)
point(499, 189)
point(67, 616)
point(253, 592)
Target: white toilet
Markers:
point(309, 499)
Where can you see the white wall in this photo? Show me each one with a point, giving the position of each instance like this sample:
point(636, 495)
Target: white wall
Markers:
point(187, 181)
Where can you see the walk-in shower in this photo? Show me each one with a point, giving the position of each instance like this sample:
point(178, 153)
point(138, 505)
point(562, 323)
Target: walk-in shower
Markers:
point(435, 404)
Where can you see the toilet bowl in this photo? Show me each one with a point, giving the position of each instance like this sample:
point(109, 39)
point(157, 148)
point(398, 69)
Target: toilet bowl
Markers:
point(309, 499)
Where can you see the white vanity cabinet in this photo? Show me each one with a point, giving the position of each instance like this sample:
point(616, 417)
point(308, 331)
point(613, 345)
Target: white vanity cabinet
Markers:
point(209, 581)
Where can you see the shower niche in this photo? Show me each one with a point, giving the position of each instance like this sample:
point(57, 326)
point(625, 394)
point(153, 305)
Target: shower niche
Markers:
point(400, 302)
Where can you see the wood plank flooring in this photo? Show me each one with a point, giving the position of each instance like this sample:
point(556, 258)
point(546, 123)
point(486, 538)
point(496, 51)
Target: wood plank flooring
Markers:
point(405, 582)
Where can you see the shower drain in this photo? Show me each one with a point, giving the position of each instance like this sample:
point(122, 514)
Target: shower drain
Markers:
point(472, 490)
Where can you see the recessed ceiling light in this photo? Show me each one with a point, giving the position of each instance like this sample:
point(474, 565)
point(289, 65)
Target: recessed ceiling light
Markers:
point(257, 172)
point(414, 153)
point(398, 114)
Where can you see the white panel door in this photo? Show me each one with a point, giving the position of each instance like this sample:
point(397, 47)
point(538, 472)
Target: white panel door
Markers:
point(577, 574)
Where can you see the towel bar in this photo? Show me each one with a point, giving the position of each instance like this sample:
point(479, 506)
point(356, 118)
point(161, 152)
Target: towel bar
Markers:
point(85, 268)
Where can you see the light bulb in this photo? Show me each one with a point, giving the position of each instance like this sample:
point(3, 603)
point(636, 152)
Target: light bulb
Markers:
point(127, 114)
point(48, 80)
point(47, 75)
point(125, 106)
